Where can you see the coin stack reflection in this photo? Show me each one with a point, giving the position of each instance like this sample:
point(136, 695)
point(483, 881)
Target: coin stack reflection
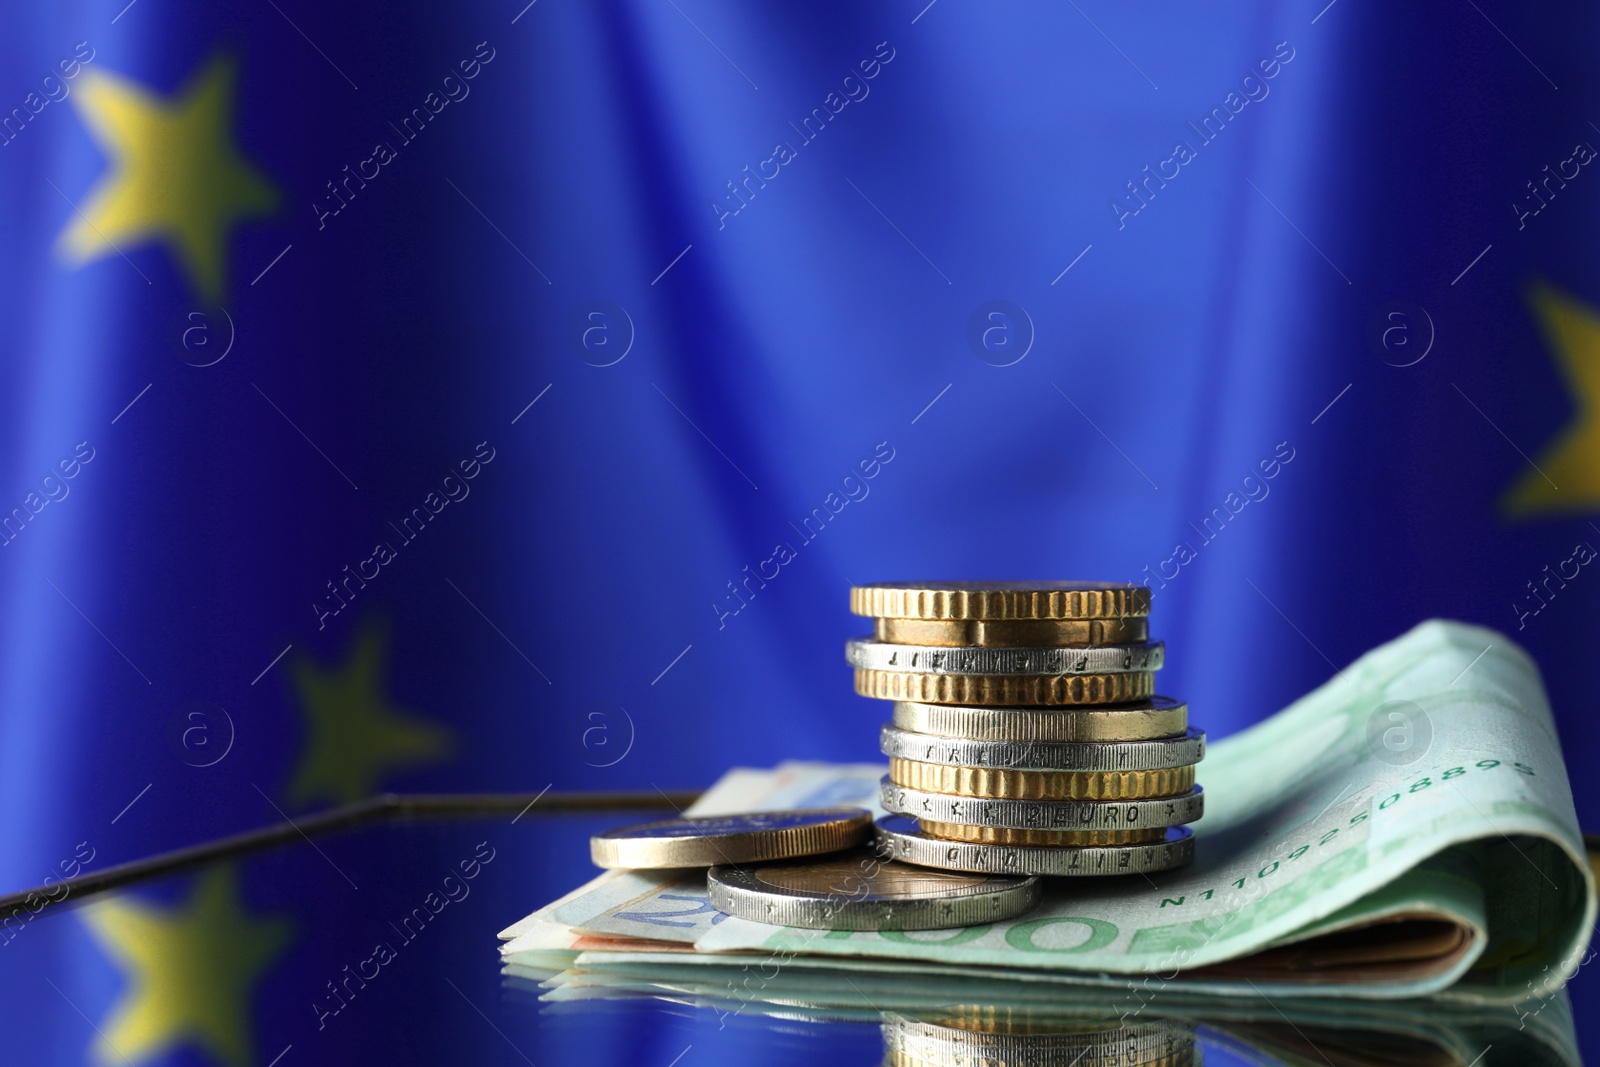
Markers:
point(1027, 737)
point(976, 1036)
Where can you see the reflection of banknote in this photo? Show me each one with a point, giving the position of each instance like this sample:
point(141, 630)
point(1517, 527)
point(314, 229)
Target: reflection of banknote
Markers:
point(1331, 861)
point(1256, 1029)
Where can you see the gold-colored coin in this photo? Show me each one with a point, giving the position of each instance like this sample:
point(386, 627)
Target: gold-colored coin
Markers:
point(1013, 633)
point(993, 689)
point(1000, 835)
point(746, 837)
point(1040, 785)
point(1145, 721)
point(1000, 600)
point(1007, 1019)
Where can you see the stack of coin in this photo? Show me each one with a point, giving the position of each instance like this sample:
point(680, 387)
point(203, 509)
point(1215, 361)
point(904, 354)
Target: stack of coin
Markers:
point(1027, 736)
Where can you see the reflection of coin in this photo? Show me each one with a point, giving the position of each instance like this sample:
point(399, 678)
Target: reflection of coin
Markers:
point(1058, 1021)
point(974, 1036)
point(999, 835)
point(1145, 721)
point(1045, 689)
point(1092, 756)
point(1040, 785)
point(1043, 814)
point(869, 655)
point(1014, 633)
point(900, 836)
point(744, 838)
point(1025, 1052)
point(1000, 600)
point(860, 891)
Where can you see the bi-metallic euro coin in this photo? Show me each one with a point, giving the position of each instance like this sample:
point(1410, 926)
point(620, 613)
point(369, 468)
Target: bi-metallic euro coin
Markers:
point(1043, 814)
point(749, 837)
point(1046, 756)
point(1000, 600)
point(1015, 633)
point(1001, 835)
point(863, 653)
point(1007, 689)
point(901, 837)
point(1147, 720)
point(1001, 784)
point(861, 891)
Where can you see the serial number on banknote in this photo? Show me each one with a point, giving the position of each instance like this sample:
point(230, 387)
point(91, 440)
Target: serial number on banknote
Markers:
point(1417, 786)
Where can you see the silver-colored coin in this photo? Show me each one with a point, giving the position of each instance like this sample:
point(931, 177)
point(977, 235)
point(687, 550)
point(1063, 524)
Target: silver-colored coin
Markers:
point(1045, 756)
point(900, 836)
point(1094, 1043)
point(1042, 814)
point(864, 653)
point(748, 837)
point(861, 891)
point(1145, 721)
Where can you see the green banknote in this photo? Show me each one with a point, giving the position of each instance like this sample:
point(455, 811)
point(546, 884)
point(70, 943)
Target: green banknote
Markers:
point(1405, 829)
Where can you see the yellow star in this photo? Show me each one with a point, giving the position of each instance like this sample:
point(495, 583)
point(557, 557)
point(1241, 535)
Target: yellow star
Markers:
point(176, 174)
point(191, 972)
point(357, 737)
point(1573, 461)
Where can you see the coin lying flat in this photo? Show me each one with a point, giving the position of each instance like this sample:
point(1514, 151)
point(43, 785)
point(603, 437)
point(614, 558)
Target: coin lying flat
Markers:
point(1040, 785)
point(860, 891)
point(1043, 814)
point(1000, 600)
point(975, 1038)
point(1146, 721)
point(745, 838)
point(1045, 756)
point(1000, 835)
point(901, 837)
point(1015, 633)
point(1044, 689)
point(866, 654)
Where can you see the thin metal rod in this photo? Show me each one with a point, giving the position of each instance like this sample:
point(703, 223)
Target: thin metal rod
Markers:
point(382, 808)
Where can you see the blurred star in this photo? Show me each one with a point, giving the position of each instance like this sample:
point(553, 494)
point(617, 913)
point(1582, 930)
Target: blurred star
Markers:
point(1573, 461)
point(176, 175)
point(356, 735)
point(191, 971)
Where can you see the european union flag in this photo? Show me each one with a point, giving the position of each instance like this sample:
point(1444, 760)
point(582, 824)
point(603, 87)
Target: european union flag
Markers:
point(503, 396)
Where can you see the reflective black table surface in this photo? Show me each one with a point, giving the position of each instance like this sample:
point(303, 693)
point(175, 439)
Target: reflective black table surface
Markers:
point(377, 944)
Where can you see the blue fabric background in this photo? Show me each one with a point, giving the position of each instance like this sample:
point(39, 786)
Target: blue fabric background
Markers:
point(560, 623)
